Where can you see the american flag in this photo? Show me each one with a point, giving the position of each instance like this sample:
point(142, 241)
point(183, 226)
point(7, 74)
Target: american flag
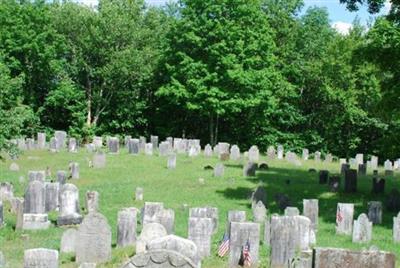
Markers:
point(224, 246)
point(339, 216)
point(246, 254)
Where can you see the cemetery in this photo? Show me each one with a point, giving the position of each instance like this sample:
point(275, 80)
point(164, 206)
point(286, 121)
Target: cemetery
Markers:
point(127, 202)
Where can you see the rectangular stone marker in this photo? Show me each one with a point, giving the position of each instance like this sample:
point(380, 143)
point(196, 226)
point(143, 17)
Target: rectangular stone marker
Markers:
point(154, 212)
point(311, 210)
point(61, 177)
point(98, 142)
point(40, 258)
point(235, 153)
point(323, 176)
point(200, 231)
point(72, 145)
point(164, 148)
point(69, 205)
point(68, 241)
point(291, 211)
point(126, 141)
point(52, 190)
point(92, 201)
point(99, 160)
point(378, 186)
point(344, 258)
point(208, 152)
point(362, 229)
point(171, 162)
point(30, 144)
point(259, 212)
point(241, 233)
point(19, 210)
point(359, 159)
point(374, 162)
point(154, 141)
point(249, 169)
point(94, 243)
point(148, 149)
point(139, 194)
point(142, 143)
point(35, 221)
point(133, 146)
point(375, 212)
point(317, 156)
point(328, 158)
point(37, 175)
point(53, 145)
point(271, 152)
point(289, 235)
point(362, 169)
point(61, 137)
point(35, 198)
point(126, 228)
point(166, 218)
point(219, 170)
point(396, 228)
point(254, 154)
point(280, 151)
point(344, 218)
point(150, 210)
point(350, 181)
point(206, 212)
point(74, 170)
point(305, 154)
point(41, 140)
point(113, 145)
point(235, 216)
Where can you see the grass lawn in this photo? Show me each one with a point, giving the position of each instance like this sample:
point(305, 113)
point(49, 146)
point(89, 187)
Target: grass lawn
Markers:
point(117, 182)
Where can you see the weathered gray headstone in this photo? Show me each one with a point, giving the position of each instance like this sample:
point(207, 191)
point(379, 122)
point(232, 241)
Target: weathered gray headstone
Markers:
point(37, 175)
point(35, 198)
point(344, 258)
point(92, 201)
point(259, 212)
point(41, 140)
point(267, 232)
point(334, 183)
point(242, 233)
point(311, 210)
point(99, 160)
point(219, 170)
point(362, 229)
point(98, 142)
point(164, 148)
point(317, 156)
point(35, 221)
point(61, 177)
point(52, 190)
point(235, 153)
point(200, 231)
point(61, 137)
point(159, 258)
point(94, 242)
point(149, 212)
point(6, 191)
point(208, 152)
point(350, 181)
point(126, 228)
point(396, 228)
point(69, 205)
point(139, 194)
point(127, 138)
point(254, 154)
point(149, 232)
point(344, 218)
point(343, 168)
point(166, 217)
point(292, 211)
point(171, 162)
point(249, 170)
point(72, 145)
point(206, 212)
point(154, 141)
point(148, 149)
point(375, 212)
point(113, 145)
point(280, 152)
point(362, 169)
point(68, 241)
point(259, 195)
point(74, 170)
point(40, 258)
point(378, 185)
point(133, 146)
point(305, 154)
point(234, 216)
point(271, 152)
point(19, 210)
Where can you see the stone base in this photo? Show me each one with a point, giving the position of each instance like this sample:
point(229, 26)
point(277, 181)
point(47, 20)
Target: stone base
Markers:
point(69, 219)
point(35, 222)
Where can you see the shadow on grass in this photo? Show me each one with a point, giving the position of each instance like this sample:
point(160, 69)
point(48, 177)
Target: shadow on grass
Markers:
point(300, 184)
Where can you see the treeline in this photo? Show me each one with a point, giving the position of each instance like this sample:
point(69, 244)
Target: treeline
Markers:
point(243, 71)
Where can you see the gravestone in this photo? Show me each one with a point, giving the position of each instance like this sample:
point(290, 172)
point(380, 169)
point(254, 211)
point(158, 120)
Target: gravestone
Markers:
point(159, 258)
point(362, 169)
point(92, 201)
point(37, 175)
point(344, 218)
point(99, 160)
point(94, 243)
point(53, 145)
point(61, 177)
point(41, 140)
point(142, 143)
point(362, 229)
point(280, 151)
point(219, 170)
point(90, 148)
point(148, 149)
point(72, 145)
point(235, 153)
point(35, 198)
point(35, 221)
point(98, 142)
point(155, 212)
point(305, 154)
point(234, 216)
point(30, 144)
point(69, 205)
point(171, 162)
point(149, 232)
point(317, 156)
point(68, 241)
point(350, 181)
point(154, 141)
point(206, 212)
point(126, 227)
point(241, 234)
point(166, 217)
point(40, 258)
point(139, 194)
point(271, 152)
point(328, 158)
point(208, 152)
point(6, 191)
point(345, 258)
point(375, 212)
point(74, 170)
point(14, 167)
point(396, 228)
point(259, 195)
point(393, 201)
point(249, 170)
point(343, 168)
point(378, 186)
point(164, 148)
point(224, 156)
point(311, 210)
point(133, 146)
point(127, 138)
point(388, 165)
point(61, 138)
point(359, 159)
point(52, 192)
point(200, 231)
point(150, 210)
point(289, 235)
point(259, 212)
point(113, 145)
point(291, 211)
point(374, 162)
point(323, 176)
point(19, 211)
point(254, 154)
point(334, 183)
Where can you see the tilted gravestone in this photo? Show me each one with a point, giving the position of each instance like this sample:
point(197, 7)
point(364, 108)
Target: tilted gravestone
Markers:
point(234, 216)
point(68, 241)
point(345, 258)
point(126, 227)
point(375, 212)
point(92, 201)
point(378, 185)
point(241, 234)
point(94, 243)
point(350, 181)
point(362, 229)
point(206, 212)
point(200, 231)
point(291, 211)
point(259, 212)
point(40, 258)
point(219, 170)
point(149, 232)
point(99, 160)
point(249, 170)
point(52, 192)
point(311, 210)
point(344, 218)
point(323, 176)
point(289, 235)
point(69, 205)
point(396, 228)
point(139, 194)
point(74, 170)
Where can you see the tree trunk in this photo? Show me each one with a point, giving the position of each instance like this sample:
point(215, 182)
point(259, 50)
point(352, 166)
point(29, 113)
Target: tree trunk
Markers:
point(211, 128)
point(89, 101)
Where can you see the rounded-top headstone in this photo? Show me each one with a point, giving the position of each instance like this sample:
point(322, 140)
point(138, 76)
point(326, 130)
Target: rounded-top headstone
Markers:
point(149, 232)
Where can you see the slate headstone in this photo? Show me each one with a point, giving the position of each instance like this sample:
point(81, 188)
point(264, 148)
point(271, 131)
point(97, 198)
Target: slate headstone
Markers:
point(350, 181)
point(375, 212)
point(323, 176)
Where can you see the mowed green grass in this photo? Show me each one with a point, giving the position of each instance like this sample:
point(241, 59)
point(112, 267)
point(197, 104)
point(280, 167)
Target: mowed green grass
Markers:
point(117, 182)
